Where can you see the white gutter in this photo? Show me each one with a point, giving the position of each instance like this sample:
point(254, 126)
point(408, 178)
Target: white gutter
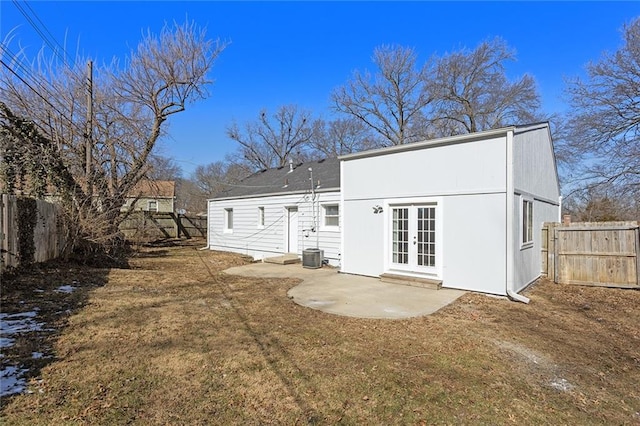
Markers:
point(510, 196)
point(449, 140)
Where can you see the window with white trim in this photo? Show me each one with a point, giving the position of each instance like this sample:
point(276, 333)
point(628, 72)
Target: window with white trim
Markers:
point(152, 206)
point(527, 222)
point(228, 220)
point(331, 215)
point(260, 217)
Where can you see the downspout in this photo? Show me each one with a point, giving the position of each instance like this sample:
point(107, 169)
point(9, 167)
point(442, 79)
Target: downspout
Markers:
point(513, 295)
point(342, 217)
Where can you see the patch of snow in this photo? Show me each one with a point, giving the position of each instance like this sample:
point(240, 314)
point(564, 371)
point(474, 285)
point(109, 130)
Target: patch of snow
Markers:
point(11, 381)
point(11, 324)
point(66, 288)
point(19, 323)
point(561, 385)
point(6, 342)
point(37, 355)
point(30, 314)
point(37, 290)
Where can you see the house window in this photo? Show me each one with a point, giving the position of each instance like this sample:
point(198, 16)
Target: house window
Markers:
point(228, 220)
point(152, 206)
point(260, 217)
point(527, 222)
point(331, 215)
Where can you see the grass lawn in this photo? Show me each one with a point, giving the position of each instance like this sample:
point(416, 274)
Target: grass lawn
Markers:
point(173, 340)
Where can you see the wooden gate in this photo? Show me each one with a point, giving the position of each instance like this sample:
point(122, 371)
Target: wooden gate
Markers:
point(592, 253)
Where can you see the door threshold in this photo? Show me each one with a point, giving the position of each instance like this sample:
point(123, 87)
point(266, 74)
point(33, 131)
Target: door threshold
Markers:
point(423, 282)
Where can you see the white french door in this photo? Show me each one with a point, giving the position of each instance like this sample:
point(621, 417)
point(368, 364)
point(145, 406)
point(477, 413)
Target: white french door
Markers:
point(413, 238)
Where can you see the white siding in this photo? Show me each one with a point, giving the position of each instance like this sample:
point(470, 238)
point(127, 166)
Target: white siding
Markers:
point(260, 242)
point(534, 177)
point(534, 168)
point(471, 167)
point(528, 259)
point(475, 243)
point(470, 181)
point(363, 234)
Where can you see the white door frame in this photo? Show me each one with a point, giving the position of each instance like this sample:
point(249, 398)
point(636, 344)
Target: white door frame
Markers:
point(412, 204)
point(289, 236)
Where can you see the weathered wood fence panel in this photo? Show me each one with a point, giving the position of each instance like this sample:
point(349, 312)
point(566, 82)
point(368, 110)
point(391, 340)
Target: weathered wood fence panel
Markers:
point(592, 253)
point(145, 226)
point(48, 234)
point(9, 230)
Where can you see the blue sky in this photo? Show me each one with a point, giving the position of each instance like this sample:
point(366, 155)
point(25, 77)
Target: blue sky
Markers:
point(298, 52)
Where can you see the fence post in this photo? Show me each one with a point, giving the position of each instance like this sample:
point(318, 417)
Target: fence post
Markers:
point(637, 256)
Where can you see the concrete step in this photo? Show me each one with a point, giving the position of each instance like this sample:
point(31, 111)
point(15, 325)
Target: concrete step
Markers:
point(429, 283)
point(285, 259)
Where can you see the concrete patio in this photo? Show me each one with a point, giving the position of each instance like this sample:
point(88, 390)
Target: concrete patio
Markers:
point(327, 290)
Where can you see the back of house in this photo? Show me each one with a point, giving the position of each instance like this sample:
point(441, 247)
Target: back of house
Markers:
point(450, 210)
point(279, 211)
point(464, 211)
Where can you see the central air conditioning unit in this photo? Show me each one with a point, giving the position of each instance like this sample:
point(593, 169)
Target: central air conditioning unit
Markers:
point(312, 258)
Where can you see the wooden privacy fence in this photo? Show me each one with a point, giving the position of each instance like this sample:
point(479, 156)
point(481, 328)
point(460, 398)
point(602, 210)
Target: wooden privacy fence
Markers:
point(48, 232)
point(592, 253)
point(144, 226)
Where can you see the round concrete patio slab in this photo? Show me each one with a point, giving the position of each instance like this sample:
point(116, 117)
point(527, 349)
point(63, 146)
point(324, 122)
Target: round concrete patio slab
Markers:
point(327, 290)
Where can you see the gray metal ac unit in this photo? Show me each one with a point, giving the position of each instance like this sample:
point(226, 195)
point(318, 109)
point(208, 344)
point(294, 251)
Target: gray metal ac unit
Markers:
point(312, 258)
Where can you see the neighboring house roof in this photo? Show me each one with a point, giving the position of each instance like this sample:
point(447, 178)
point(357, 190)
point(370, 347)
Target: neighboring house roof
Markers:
point(287, 179)
point(154, 189)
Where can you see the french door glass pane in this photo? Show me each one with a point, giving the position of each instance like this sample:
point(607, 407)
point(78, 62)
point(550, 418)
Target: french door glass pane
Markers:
point(400, 236)
point(426, 238)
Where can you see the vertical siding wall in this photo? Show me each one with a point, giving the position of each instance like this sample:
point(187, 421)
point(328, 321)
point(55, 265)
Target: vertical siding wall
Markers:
point(48, 233)
point(247, 238)
point(535, 178)
point(528, 259)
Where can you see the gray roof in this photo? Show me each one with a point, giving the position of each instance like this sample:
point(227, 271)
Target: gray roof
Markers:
point(288, 179)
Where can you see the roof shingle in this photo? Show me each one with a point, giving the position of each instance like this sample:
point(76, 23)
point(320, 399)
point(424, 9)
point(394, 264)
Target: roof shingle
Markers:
point(292, 178)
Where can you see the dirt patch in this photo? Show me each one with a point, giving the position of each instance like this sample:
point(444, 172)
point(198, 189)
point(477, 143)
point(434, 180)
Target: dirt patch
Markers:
point(174, 340)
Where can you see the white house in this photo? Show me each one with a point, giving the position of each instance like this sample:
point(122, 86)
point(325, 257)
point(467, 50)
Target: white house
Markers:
point(464, 211)
point(278, 211)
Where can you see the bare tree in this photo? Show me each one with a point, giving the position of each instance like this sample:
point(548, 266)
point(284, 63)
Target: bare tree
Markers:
point(604, 125)
point(392, 100)
point(342, 136)
point(273, 140)
point(131, 104)
point(163, 168)
point(206, 182)
point(218, 176)
point(472, 92)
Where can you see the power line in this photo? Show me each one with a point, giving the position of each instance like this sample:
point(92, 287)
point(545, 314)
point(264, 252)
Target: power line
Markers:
point(31, 87)
point(44, 33)
point(42, 86)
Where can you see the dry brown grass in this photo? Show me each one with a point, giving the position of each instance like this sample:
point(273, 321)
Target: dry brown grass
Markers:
point(175, 341)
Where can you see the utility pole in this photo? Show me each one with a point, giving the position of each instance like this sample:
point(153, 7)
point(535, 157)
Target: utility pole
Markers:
point(89, 130)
